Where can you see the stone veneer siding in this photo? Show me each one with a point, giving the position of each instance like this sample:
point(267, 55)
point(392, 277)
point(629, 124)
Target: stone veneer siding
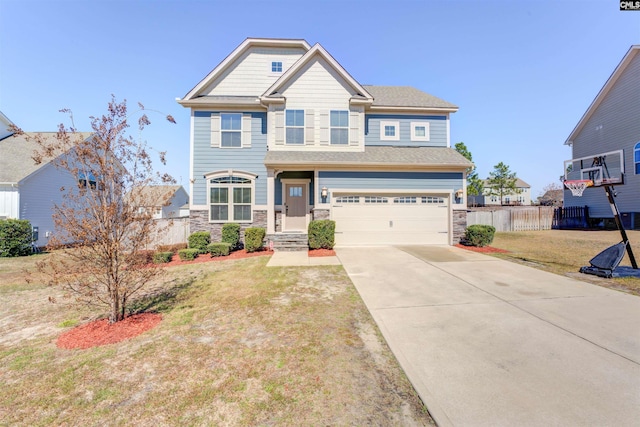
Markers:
point(459, 225)
point(199, 221)
point(320, 214)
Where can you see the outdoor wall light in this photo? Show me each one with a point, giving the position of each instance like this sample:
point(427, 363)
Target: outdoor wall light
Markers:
point(324, 192)
point(459, 194)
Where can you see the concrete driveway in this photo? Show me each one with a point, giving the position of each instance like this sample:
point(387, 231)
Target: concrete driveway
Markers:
point(487, 342)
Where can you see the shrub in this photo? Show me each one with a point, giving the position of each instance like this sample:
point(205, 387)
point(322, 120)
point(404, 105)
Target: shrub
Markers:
point(199, 240)
point(15, 237)
point(188, 254)
point(253, 238)
point(479, 235)
point(144, 257)
point(172, 248)
point(322, 234)
point(162, 257)
point(219, 249)
point(231, 235)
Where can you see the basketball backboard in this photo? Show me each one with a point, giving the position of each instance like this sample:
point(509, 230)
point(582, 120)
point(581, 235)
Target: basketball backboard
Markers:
point(602, 169)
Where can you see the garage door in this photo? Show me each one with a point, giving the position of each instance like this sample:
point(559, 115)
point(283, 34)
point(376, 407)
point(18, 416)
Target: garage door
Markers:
point(388, 219)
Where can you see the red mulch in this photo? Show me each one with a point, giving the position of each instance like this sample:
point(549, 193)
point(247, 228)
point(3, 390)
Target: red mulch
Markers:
point(101, 332)
point(484, 249)
point(321, 252)
point(206, 257)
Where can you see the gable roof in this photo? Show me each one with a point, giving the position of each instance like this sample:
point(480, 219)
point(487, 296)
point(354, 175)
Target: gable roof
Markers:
point(629, 56)
point(406, 96)
point(157, 195)
point(316, 50)
point(519, 183)
point(16, 155)
point(237, 53)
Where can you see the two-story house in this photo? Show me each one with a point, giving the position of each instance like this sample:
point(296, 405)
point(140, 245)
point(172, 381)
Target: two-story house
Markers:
point(282, 134)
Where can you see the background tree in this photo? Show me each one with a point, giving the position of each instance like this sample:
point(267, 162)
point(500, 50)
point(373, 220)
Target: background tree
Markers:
point(502, 182)
point(475, 186)
point(100, 215)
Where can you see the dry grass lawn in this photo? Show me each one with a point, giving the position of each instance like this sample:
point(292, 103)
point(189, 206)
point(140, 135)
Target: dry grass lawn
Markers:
point(565, 251)
point(240, 344)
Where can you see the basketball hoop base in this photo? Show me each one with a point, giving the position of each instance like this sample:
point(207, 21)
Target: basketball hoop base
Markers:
point(620, 271)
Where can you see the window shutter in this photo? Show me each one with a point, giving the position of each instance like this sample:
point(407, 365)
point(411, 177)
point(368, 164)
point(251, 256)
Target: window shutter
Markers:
point(354, 127)
point(215, 130)
point(324, 127)
point(246, 130)
point(310, 127)
point(279, 121)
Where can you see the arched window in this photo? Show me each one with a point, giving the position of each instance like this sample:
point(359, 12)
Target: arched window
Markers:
point(230, 196)
point(636, 158)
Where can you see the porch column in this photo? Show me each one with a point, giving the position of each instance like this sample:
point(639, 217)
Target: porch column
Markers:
point(271, 201)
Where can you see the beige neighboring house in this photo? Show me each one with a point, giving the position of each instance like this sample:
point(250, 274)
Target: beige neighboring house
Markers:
point(165, 201)
point(521, 198)
point(28, 190)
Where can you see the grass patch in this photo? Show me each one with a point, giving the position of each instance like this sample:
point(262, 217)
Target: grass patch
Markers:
point(68, 323)
point(240, 344)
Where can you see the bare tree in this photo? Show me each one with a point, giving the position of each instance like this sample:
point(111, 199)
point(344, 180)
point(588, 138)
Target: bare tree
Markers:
point(100, 216)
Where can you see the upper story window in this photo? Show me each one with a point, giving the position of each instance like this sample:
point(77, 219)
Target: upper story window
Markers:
point(87, 180)
point(420, 131)
point(230, 198)
point(389, 131)
point(339, 127)
point(636, 158)
point(276, 67)
point(231, 130)
point(294, 123)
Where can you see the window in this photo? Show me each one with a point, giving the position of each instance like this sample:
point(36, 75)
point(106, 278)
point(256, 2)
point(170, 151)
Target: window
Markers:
point(87, 180)
point(432, 200)
point(389, 131)
point(339, 127)
point(230, 199)
point(348, 199)
point(375, 199)
point(231, 130)
point(295, 191)
point(406, 199)
point(636, 158)
point(276, 67)
point(420, 131)
point(294, 123)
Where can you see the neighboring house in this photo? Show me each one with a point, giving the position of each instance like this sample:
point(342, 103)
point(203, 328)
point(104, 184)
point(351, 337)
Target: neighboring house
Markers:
point(29, 191)
point(611, 123)
point(282, 134)
point(522, 196)
point(551, 198)
point(164, 201)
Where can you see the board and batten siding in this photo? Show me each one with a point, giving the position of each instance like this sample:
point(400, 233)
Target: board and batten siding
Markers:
point(614, 125)
point(250, 74)
point(207, 159)
point(9, 202)
point(437, 130)
point(418, 181)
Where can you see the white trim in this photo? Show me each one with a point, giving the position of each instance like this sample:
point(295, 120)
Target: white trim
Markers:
point(284, 182)
point(231, 173)
point(385, 123)
point(427, 129)
point(192, 179)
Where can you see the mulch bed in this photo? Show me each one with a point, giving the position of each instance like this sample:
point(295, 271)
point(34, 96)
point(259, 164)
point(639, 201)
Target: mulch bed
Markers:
point(483, 250)
point(321, 252)
point(206, 257)
point(101, 332)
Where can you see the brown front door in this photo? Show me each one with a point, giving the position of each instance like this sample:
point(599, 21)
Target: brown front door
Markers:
point(295, 207)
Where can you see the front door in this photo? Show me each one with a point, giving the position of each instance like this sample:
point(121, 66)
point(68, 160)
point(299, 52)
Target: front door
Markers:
point(295, 207)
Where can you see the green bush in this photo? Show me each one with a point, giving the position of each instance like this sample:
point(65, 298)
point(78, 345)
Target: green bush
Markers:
point(199, 240)
point(162, 257)
point(219, 249)
point(322, 234)
point(15, 237)
point(231, 235)
point(253, 238)
point(479, 235)
point(188, 254)
point(172, 248)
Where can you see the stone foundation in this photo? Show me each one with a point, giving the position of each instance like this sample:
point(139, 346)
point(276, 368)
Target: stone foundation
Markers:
point(320, 214)
point(199, 221)
point(459, 225)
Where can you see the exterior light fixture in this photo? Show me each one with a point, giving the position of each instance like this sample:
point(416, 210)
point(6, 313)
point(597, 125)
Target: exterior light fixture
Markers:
point(324, 192)
point(459, 193)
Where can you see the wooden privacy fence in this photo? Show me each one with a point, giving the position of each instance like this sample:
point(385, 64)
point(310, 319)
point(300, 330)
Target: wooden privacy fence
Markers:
point(514, 219)
point(571, 217)
point(176, 231)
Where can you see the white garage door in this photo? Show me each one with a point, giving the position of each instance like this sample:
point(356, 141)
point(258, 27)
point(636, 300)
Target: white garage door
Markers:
point(388, 219)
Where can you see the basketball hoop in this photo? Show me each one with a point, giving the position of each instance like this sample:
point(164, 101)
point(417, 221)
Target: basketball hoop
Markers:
point(577, 186)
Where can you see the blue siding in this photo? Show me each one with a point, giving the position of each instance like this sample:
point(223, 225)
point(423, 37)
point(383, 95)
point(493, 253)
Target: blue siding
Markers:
point(424, 181)
point(437, 125)
point(207, 159)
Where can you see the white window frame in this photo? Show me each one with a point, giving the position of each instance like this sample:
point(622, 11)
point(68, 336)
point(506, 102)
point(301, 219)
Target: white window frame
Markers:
point(223, 131)
point(230, 186)
point(384, 136)
point(274, 64)
point(415, 125)
point(296, 126)
point(344, 128)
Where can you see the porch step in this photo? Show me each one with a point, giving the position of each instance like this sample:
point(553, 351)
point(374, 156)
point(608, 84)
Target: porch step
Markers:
point(289, 241)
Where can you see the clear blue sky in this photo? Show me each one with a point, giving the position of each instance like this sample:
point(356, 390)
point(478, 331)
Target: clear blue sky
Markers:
point(522, 72)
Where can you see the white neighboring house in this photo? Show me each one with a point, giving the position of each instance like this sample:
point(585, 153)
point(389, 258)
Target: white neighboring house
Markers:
point(29, 190)
point(165, 201)
point(521, 198)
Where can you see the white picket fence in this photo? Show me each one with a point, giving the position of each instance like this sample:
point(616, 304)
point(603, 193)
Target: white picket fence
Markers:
point(514, 218)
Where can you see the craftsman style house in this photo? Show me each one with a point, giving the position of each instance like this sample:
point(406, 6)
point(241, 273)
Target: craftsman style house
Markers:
point(282, 134)
point(611, 125)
